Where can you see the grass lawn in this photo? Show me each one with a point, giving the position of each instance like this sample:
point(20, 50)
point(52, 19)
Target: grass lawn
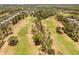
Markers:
point(23, 45)
point(64, 43)
point(67, 47)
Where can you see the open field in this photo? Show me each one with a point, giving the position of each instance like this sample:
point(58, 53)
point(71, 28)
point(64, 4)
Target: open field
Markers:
point(39, 30)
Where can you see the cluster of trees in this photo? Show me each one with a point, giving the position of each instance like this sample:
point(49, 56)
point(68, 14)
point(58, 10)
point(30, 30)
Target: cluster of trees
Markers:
point(71, 28)
point(18, 17)
point(47, 43)
point(43, 13)
point(5, 31)
point(42, 37)
point(2, 11)
point(37, 38)
point(1, 43)
point(37, 31)
point(10, 9)
point(6, 28)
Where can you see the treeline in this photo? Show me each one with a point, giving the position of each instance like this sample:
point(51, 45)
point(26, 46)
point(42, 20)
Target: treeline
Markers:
point(44, 13)
point(6, 28)
point(2, 12)
point(71, 26)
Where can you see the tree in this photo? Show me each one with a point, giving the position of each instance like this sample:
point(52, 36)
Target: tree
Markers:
point(59, 30)
point(12, 41)
point(1, 43)
point(37, 38)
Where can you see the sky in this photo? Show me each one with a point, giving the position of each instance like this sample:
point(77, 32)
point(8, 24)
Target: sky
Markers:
point(39, 1)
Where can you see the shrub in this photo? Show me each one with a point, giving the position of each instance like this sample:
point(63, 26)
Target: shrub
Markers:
point(12, 41)
point(51, 51)
point(1, 43)
point(37, 38)
point(59, 30)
